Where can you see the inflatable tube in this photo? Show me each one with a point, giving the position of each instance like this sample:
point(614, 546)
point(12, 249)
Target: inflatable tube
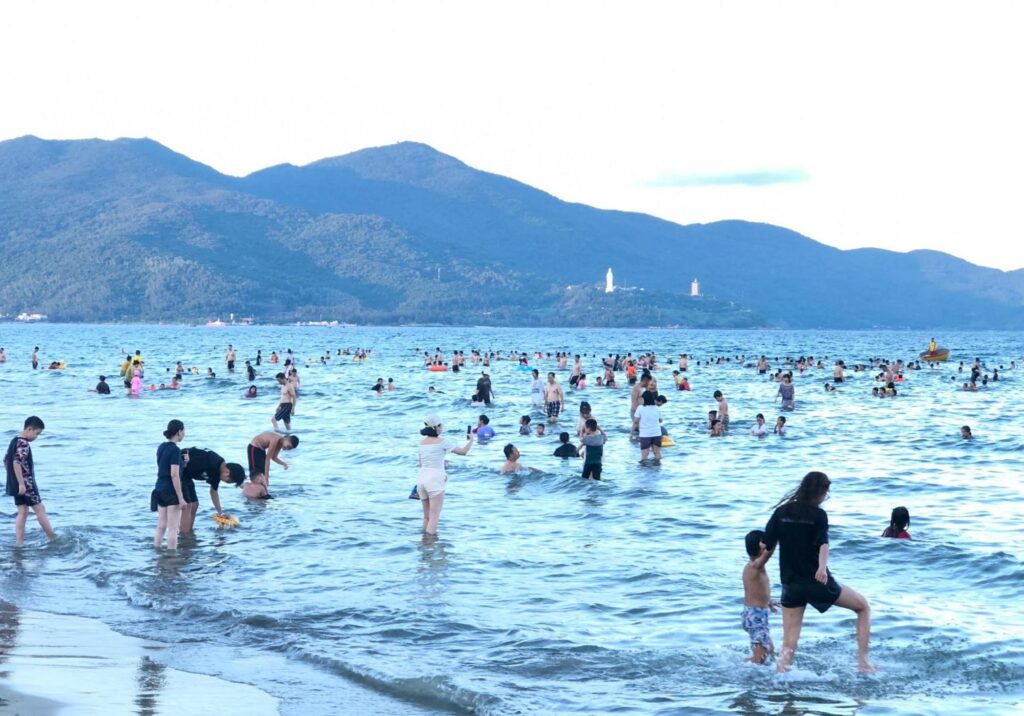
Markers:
point(666, 441)
point(226, 521)
point(939, 356)
point(524, 367)
point(437, 368)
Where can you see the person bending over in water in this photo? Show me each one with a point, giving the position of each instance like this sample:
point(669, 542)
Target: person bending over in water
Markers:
point(757, 599)
point(266, 445)
point(209, 467)
point(898, 523)
point(799, 527)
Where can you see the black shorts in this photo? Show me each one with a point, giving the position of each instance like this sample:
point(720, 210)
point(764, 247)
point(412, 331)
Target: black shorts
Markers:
point(838, 380)
point(29, 499)
point(162, 498)
point(818, 595)
point(646, 443)
point(188, 490)
point(284, 412)
point(592, 470)
point(574, 379)
point(257, 461)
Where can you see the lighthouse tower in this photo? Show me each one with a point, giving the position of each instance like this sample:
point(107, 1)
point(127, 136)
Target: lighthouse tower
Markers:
point(694, 288)
point(609, 282)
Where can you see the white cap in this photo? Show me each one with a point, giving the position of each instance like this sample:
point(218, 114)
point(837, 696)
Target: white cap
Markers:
point(432, 421)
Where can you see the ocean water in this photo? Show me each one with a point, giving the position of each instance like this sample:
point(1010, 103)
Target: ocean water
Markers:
point(542, 593)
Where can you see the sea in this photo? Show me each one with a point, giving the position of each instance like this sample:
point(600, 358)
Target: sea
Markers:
point(542, 593)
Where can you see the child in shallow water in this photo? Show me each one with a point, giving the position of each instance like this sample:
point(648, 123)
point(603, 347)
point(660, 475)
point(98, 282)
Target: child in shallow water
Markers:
point(757, 601)
point(898, 523)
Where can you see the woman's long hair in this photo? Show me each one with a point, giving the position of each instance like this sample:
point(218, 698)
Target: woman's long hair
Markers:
point(804, 498)
point(898, 521)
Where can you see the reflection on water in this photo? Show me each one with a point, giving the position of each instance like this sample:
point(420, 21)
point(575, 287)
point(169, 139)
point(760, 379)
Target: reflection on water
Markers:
point(151, 680)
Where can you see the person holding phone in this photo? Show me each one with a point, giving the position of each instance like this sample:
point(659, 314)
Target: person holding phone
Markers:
point(432, 478)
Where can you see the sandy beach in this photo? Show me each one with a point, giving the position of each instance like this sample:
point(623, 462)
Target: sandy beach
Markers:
point(55, 664)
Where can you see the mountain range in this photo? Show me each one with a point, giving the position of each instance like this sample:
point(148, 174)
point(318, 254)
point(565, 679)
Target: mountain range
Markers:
point(131, 230)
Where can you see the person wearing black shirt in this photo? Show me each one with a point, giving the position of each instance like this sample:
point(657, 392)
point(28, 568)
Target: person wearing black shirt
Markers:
point(484, 392)
point(102, 388)
point(800, 528)
point(566, 449)
point(205, 466)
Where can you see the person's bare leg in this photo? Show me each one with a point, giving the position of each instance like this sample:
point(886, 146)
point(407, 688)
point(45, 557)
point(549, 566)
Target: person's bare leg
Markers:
point(436, 503)
point(188, 517)
point(657, 453)
point(643, 454)
point(792, 623)
point(759, 655)
point(173, 525)
point(19, 525)
point(273, 421)
point(854, 601)
point(161, 527)
point(43, 520)
point(425, 501)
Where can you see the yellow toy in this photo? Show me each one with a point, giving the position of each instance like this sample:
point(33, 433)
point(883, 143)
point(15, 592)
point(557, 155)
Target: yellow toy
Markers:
point(226, 521)
point(666, 441)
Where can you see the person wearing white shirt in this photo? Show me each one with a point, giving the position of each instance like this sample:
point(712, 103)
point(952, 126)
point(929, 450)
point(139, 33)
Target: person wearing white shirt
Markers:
point(432, 477)
point(759, 429)
point(647, 424)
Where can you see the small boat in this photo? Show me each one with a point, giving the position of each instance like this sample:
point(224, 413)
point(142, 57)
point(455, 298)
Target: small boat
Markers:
point(939, 355)
point(215, 324)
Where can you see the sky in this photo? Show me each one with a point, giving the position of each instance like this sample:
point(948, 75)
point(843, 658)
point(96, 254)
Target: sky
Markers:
point(885, 124)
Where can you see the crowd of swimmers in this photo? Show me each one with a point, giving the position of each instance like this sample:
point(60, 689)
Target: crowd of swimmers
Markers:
point(797, 528)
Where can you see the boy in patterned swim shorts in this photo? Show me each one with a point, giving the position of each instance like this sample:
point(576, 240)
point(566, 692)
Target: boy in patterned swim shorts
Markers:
point(757, 601)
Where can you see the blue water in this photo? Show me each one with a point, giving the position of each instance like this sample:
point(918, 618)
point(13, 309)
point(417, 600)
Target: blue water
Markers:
point(542, 594)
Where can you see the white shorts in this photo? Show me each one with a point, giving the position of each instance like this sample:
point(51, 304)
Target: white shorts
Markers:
point(430, 482)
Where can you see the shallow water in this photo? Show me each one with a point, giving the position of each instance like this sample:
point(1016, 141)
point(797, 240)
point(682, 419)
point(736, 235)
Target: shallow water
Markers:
point(543, 593)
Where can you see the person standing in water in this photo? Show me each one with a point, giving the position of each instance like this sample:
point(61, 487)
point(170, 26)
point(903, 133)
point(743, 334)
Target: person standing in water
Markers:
point(229, 358)
point(286, 404)
point(21, 480)
point(167, 498)
point(432, 479)
point(35, 358)
point(800, 529)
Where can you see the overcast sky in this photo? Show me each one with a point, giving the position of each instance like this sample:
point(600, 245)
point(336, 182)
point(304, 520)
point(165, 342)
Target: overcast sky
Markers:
point(890, 124)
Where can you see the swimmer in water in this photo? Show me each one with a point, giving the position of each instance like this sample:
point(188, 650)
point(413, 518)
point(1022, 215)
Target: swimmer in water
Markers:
point(780, 426)
point(757, 599)
point(512, 463)
point(760, 429)
point(251, 392)
point(898, 523)
point(524, 425)
point(965, 432)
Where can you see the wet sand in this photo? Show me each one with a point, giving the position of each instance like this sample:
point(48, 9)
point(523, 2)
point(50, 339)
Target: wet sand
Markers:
point(55, 664)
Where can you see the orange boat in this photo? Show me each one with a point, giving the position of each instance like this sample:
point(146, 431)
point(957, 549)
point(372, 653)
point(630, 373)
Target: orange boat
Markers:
point(939, 355)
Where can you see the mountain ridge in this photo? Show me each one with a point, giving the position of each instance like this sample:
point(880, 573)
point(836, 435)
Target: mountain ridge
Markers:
point(361, 235)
